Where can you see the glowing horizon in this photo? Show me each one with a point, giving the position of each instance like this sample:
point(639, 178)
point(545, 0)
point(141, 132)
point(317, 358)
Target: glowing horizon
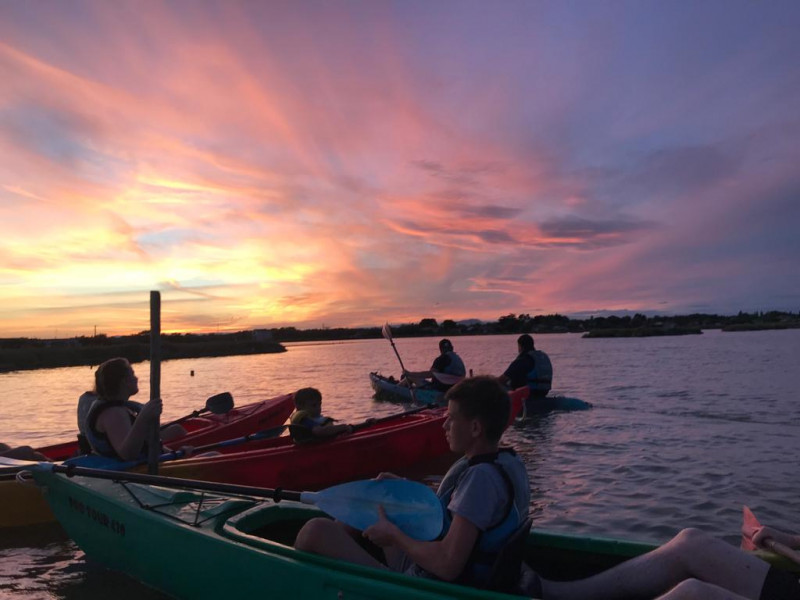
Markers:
point(268, 165)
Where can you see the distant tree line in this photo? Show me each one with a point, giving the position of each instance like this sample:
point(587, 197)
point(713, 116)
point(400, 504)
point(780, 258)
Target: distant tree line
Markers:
point(32, 353)
point(555, 323)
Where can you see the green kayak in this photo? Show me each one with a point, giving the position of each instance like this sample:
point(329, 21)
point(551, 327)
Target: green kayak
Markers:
point(196, 545)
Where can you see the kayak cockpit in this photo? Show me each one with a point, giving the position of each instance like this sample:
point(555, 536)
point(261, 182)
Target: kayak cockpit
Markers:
point(188, 506)
point(555, 556)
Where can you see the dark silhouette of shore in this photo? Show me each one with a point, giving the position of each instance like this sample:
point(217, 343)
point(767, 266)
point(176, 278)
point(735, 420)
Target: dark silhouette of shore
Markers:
point(32, 353)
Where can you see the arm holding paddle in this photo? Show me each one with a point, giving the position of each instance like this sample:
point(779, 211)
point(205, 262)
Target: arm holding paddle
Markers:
point(117, 427)
point(756, 536)
point(126, 439)
point(763, 536)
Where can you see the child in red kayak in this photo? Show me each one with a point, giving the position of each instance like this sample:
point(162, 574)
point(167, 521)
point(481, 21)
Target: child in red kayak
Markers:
point(307, 422)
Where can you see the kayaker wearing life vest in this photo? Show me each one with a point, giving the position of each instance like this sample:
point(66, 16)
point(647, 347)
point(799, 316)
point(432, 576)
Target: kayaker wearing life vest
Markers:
point(485, 495)
point(115, 426)
point(531, 367)
point(307, 421)
point(447, 370)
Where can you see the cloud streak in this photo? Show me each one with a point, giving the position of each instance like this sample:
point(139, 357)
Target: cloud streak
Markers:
point(354, 163)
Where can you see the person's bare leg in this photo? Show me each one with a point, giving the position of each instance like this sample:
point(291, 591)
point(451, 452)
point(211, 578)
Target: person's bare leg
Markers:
point(23, 453)
point(329, 538)
point(694, 589)
point(690, 554)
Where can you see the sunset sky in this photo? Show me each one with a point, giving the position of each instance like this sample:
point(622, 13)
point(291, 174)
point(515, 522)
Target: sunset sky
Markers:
point(346, 163)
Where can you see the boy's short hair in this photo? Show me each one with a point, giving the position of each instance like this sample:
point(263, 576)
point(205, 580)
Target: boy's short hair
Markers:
point(483, 398)
point(304, 396)
point(525, 342)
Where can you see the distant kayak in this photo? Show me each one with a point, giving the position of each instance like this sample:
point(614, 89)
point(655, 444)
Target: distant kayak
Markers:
point(390, 389)
point(548, 403)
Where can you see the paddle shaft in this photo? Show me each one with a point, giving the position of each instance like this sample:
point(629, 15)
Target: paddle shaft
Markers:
point(219, 404)
point(391, 341)
point(783, 550)
point(387, 333)
point(191, 415)
point(267, 433)
point(177, 482)
point(154, 439)
point(369, 423)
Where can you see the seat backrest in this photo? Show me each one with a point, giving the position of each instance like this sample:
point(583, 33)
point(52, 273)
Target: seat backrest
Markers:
point(505, 573)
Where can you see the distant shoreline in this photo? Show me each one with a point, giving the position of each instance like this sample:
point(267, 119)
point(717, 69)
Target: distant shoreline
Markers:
point(25, 359)
point(17, 354)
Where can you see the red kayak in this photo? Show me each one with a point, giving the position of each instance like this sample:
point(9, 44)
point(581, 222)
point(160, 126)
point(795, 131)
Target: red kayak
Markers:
point(392, 444)
point(211, 428)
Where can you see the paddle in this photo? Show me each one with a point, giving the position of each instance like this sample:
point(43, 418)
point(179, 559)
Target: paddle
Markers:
point(371, 422)
point(751, 526)
point(518, 398)
point(218, 404)
point(386, 331)
point(154, 438)
point(410, 505)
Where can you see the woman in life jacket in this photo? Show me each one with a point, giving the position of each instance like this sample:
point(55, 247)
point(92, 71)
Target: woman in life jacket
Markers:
point(115, 425)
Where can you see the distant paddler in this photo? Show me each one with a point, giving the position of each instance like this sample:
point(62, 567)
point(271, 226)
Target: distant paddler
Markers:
point(530, 368)
point(447, 370)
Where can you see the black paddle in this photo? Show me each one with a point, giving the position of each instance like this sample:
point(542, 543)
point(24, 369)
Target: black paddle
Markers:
point(386, 331)
point(218, 404)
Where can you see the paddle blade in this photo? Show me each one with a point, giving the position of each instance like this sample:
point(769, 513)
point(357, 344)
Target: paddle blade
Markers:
point(518, 397)
point(220, 404)
point(410, 505)
point(750, 525)
point(387, 332)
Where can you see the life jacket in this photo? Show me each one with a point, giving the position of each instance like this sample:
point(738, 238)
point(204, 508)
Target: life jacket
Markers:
point(456, 365)
point(491, 541)
point(540, 378)
point(449, 375)
point(85, 403)
point(98, 440)
point(302, 425)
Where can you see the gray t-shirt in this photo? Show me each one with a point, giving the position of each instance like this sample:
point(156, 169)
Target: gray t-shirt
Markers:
point(482, 496)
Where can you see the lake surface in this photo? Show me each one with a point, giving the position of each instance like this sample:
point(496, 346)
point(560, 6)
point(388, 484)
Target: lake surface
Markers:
point(684, 431)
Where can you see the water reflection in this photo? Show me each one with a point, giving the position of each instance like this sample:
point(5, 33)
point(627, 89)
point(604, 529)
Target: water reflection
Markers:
point(680, 434)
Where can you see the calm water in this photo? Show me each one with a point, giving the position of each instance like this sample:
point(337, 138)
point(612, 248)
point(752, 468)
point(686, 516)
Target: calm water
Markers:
point(684, 431)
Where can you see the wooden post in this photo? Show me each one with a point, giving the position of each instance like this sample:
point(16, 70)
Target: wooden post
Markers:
point(154, 439)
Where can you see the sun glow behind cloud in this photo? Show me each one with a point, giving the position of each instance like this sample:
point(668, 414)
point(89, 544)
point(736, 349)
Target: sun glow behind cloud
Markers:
point(354, 163)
